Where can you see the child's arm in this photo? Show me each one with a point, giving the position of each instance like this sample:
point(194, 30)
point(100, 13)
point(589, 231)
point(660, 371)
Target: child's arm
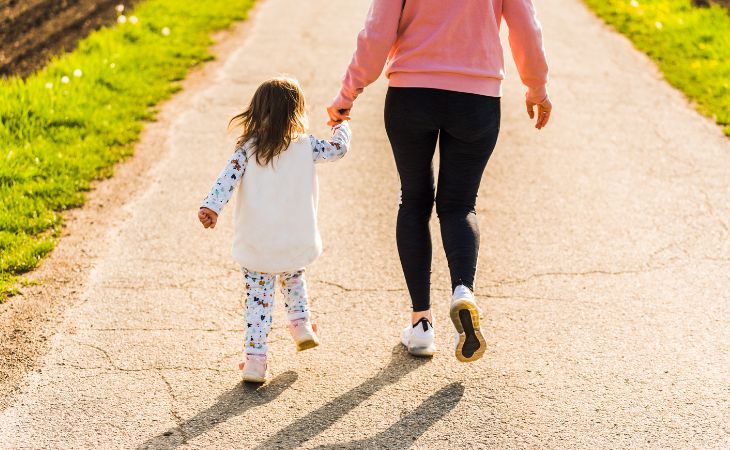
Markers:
point(335, 148)
point(222, 190)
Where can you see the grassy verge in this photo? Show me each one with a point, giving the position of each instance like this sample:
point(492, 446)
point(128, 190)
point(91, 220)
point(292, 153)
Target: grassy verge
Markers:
point(690, 45)
point(68, 124)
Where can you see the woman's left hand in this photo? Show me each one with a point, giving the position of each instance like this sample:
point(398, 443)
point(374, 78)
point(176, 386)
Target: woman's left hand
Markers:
point(543, 112)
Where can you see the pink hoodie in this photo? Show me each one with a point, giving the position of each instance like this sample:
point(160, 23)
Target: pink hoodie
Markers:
point(446, 44)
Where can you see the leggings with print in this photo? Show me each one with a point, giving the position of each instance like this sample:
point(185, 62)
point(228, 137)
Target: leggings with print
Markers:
point(260, 289)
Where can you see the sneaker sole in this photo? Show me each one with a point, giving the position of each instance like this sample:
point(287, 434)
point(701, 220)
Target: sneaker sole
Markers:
point(471, 345)
point(253, 379)
point(306, 345)
point(422, 351)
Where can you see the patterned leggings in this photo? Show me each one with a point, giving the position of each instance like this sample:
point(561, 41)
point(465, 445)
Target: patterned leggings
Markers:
point(260, 301)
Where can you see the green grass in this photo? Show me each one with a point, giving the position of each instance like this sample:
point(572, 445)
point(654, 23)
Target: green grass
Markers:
point(690, 45)
point(55, 140)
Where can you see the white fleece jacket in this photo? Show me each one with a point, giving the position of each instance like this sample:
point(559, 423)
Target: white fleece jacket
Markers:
point(276, 209)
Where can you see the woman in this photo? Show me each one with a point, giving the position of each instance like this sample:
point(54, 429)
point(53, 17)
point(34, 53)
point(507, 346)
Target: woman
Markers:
point(445, 68)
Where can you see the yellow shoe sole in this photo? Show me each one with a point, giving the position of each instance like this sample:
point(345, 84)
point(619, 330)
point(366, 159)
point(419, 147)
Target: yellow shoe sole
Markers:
point(465, 316)
point(306, 345)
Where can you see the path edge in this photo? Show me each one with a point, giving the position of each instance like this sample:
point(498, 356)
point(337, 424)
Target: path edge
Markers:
point(29, 319)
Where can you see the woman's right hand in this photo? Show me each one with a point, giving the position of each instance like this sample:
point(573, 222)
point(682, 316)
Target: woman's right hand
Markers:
point(544, 109)
point(207, 217)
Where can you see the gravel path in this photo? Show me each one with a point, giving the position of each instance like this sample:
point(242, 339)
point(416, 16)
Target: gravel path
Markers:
point(604, 275)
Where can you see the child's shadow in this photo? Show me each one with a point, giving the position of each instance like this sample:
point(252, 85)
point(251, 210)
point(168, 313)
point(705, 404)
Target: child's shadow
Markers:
point(314, 423)
point(230, 404)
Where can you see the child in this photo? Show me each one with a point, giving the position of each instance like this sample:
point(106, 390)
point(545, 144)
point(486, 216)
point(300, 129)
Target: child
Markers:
point(276, 233)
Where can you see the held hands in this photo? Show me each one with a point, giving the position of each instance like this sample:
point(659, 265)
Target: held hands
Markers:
point(337, 115)
point(207, 217)
point(543, 112)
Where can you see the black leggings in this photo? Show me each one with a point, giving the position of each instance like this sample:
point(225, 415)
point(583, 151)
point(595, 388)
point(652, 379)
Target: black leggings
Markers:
point(466, 127)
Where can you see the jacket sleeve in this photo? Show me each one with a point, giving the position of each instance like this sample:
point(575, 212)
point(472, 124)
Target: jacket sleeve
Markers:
point(373, 46)
point(335, 148)
point(227, 181)
point(525, 40)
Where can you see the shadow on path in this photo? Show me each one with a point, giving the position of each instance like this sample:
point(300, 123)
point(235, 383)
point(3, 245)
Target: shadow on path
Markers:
point(314, 423)
point(230, 404)
point(410, 427)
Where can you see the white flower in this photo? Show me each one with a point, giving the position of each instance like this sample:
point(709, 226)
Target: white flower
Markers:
point(122, 19)
point(133, 19)
point(119, 8)
point(65, 79)
point(634, 3)
point(658, 25)
point(113, 65)
point(49, 85)
point(165, 31)
point(78, 73)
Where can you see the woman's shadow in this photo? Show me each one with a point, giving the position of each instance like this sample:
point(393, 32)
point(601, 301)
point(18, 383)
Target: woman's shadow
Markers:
point(243, 397)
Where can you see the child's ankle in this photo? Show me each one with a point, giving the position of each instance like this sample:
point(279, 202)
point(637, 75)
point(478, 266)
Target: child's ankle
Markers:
point(297, 316)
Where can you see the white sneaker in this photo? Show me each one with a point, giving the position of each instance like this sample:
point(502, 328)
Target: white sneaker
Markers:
point(419, 338)
point(464, 312)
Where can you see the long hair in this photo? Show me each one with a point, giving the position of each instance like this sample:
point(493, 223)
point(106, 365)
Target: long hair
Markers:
point(275, 116)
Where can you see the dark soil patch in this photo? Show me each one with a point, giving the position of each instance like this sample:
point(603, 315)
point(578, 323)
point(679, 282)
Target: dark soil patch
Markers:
point(705, 3)
point(32, 31)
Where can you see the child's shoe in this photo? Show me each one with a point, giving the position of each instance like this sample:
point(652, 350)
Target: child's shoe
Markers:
point(304, 333)
point(419, 338)
point(254, 368)
point(470, 344)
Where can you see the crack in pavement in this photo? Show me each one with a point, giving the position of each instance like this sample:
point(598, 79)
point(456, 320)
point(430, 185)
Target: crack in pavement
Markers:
point(142, 369)
point(713, 211)
point(509, 281)
point(349, 289)
point(116, 367)
point(173, 411)
point(578, 274)
point(221, 330)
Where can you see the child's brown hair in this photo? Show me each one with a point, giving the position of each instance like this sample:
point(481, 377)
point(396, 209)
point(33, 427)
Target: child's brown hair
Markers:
point(276, 115)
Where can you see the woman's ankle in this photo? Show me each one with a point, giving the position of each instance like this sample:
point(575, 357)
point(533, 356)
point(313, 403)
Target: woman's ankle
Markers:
point(418, 315)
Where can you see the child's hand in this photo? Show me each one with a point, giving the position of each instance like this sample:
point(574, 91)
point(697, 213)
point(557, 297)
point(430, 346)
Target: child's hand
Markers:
point(207, 217)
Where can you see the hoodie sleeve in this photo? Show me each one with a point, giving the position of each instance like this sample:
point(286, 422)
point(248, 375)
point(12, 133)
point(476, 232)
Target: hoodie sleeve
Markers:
point(525, 40)
point(373, 46)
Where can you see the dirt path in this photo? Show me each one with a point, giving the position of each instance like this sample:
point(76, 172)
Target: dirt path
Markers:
point(603, 277)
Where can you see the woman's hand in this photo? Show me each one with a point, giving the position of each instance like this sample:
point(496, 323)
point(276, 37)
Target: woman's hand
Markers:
point(207, 217)
point(337, 115)
point(543, 112)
